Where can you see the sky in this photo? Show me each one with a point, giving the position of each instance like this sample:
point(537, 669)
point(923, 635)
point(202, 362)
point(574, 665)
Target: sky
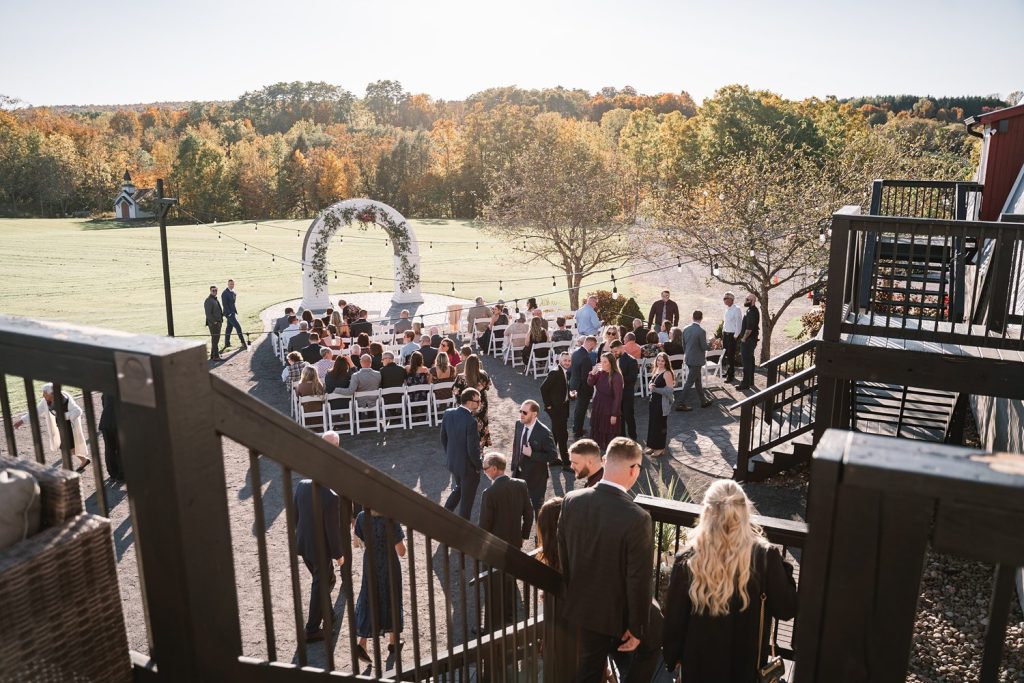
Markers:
point(104, 52)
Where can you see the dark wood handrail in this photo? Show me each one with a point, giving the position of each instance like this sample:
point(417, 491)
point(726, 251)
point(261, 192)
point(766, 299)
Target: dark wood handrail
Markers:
point(776, 389)
point(939, 226)
point(803, 348)
point(256, 425)
point(894, 182)
point(779, 531)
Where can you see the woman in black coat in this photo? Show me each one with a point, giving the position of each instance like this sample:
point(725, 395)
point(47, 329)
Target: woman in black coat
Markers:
point(713, 608)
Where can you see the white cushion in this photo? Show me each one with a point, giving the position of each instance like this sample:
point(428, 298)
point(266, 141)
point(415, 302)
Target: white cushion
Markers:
point(19, 506)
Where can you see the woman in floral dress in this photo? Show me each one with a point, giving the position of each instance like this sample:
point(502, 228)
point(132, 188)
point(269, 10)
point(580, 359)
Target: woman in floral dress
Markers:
point(473, 376)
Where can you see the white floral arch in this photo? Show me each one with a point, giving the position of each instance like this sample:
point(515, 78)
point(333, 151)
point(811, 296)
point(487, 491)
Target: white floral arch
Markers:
point(363, 212)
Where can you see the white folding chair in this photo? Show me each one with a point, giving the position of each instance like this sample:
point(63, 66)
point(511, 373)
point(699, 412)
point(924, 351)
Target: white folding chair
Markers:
point(646, 366)
point(439, 405)
point(496, 346)
point(514, 351)
point(417, 405)
point(311, 419)
point(362, 413)
point(294, 401)
point(394, 408)
point(339, 413)
point(713, 365)
point(680, 372)
point(557, 349)
point(539, 366)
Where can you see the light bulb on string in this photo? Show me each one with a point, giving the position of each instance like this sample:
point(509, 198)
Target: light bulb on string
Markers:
point(273, 259)
point(371, 283)
point(478, 246)
point(500, 288)
point(615, 287)
point(218, 235)
point(245, 248)
point(715, 270)
point(517, 305)
point(256, 227)
point(431, 245)
point(297, 234)
point(821, 234)
point(335, 275)
point(554, 283)
point(453, 288)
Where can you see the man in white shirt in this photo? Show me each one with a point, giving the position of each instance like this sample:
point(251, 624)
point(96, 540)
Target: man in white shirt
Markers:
point(587, 322)
point(325, 363)
point(730, 328)
point(290, 331)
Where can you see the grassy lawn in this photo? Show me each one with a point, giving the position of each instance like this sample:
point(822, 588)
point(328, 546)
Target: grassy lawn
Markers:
point(108, 274)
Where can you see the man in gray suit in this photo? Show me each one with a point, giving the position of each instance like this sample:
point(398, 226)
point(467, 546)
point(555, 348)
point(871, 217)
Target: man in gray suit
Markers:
point(695, 349)
point(363, 379)
point(460, 438)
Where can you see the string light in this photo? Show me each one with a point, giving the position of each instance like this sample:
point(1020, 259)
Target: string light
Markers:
point(478, 246)
point(554, 284)
point(256, 227)
point(715, 270)
point(615, 288)
point(218, 235)
point(273, 259)
point(245, 248)
point(297, 234)
point(431, 245)
point(371, 282)
point(679, 264)
point(821, 234)
point(453, 288)
point(500, 287)
point(517, 305)
point(335, 275)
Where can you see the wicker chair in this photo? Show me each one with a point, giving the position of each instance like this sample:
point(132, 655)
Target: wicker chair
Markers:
point(59, 596)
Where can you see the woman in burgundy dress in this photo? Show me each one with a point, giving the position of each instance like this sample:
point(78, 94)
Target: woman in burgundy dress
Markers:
point(606, 406)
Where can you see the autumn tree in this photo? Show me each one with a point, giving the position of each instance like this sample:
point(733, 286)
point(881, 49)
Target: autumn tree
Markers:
point(556, 202)
point(384, 100)
point(202, 179)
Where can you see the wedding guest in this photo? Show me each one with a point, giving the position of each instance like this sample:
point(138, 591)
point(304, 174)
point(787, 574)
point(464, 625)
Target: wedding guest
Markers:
point(403, 323)
point(674, 347)
point(748, 340)
point(325, 363)
point(310, 385)
point(473, 377)
point(652, 348)
point(661, 310)
point(587, 321)
point(53, 437)
point(726, 586)
point(664, 333)
point(661, 389)
point(447, 348)
point(293, 370)
point(630, 346)
point(606, 407)
point(561, 334)
point(339, 375)
point(387, 541)
point(214, 319)
point(538, 334)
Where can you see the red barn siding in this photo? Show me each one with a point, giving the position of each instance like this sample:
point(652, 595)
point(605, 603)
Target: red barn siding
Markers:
point(1004, 161)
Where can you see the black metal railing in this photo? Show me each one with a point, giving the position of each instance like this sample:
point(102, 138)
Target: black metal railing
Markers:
point(907, 279)
point(186, 437)
point(877, 506)
point(774, 416)
point(945, 200)
point(673, 519)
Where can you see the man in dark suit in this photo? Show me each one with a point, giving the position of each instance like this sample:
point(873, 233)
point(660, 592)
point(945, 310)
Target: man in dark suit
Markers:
point(300, 340)
point(505, 507)
point(533, 449)
point(554, 392)
point(428, 352)
point(460, 438)
point(108, 428)
point(582, 364)
point(506, 512)
point(311, 352)
point(228, 298)
point(305, 541)
point(391, 375)
point(360, 325)
point(606, 545)
point(630, 370)
point(214, 318)
point(282, 322)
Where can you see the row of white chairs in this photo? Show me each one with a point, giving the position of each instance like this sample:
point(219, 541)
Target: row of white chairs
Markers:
point(375, 410)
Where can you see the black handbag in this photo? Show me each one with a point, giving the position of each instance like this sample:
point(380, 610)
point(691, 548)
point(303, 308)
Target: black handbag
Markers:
point(774, 669)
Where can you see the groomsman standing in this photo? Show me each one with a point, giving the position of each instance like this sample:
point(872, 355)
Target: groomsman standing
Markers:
point(731, 325)
point(554, 393)
point(214, 318)
point(231, 313)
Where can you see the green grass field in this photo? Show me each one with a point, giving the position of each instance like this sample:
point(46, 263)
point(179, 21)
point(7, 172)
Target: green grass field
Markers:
point(106, 274)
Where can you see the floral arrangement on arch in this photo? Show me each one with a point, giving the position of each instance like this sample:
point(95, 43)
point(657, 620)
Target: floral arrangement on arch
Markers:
point(366, 215)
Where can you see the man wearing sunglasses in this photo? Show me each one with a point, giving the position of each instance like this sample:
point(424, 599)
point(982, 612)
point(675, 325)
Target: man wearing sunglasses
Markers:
point(533, 450)
point(460, 438)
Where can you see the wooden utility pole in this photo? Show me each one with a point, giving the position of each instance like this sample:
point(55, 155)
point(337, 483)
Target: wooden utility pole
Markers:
point(163, 205)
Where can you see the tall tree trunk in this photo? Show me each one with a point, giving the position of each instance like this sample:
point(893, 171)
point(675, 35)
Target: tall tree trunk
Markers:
point(767, 327)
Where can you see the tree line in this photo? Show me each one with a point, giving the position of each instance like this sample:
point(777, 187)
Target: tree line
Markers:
point(289, 149)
